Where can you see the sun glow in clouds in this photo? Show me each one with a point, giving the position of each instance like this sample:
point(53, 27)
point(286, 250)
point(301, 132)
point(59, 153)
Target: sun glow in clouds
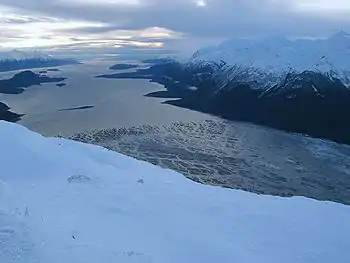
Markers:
point(201, 3)
point(158, 33)
point(26, 30)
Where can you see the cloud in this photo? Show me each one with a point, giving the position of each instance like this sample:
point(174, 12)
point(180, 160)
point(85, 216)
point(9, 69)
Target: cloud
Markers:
point(101, 2)
point(21, 28)
point(323, 6)
point(159, 22)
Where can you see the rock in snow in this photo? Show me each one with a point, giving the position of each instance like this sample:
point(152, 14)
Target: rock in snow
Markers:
point(64, 201)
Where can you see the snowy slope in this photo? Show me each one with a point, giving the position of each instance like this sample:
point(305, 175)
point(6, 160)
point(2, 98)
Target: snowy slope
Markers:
point(63, 201)
point(280, 53)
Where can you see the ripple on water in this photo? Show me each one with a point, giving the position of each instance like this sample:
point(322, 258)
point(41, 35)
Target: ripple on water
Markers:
point(237, 155)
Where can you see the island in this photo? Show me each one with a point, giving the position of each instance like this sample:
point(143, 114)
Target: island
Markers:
point(61, 84)
point(123, 66)
point(19, 82)
point(53, 69)
point(78, 108)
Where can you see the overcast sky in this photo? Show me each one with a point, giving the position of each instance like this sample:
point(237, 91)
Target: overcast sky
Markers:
point(162, 23)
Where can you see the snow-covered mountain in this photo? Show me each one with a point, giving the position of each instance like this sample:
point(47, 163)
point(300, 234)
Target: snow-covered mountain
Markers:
point(17, 59)
point(16, 54)
point(64, 201)
point(294, 85)
point(280, 53)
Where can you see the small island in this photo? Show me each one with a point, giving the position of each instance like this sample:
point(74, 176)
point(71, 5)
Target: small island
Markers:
point(123, 66)
point(19, 82)
point(53, 69)
point(78, 108)
point(61, 84)
point(43, 72)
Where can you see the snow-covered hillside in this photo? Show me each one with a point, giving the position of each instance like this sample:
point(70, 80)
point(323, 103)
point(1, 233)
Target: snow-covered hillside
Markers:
point(281, 53)
point(63, 201)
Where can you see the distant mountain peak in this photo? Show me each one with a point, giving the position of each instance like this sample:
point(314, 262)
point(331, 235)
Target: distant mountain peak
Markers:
point(17, 54)
point(340, 35)
point(278, 53)
point(19, 59)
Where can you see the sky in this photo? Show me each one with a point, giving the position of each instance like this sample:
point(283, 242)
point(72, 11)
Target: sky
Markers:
point(158, 24)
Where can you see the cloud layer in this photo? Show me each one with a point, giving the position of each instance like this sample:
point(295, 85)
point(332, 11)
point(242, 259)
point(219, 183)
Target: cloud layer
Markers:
point(151, 23)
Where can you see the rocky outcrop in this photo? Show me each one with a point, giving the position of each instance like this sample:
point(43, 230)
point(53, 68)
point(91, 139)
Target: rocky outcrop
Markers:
point(7, 115)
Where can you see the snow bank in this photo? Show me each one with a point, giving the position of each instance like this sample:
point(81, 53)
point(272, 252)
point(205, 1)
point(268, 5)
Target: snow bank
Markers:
point(63, 201)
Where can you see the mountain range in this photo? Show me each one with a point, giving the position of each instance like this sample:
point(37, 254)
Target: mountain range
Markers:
point(16, 59)
point(279, 53)
point(294, 85)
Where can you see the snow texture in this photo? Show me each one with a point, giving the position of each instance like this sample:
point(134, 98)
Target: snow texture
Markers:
point(64, 201)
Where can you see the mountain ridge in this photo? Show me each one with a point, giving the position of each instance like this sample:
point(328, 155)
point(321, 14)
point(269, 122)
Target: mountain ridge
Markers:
point(309, 102)
point(278, 53)
point(17, 60)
